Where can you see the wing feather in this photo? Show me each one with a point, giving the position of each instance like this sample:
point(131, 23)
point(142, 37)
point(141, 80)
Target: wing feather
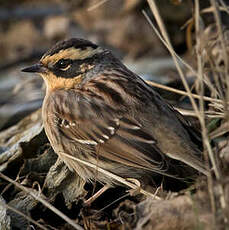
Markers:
point(111, 134)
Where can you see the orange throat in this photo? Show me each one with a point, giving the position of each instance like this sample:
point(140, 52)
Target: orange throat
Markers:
point(53, 82)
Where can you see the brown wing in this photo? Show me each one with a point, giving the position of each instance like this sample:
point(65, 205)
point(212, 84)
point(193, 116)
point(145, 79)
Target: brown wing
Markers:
point(109, 133)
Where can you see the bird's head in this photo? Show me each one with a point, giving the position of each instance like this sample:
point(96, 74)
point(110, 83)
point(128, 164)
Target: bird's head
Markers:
point(65, 64)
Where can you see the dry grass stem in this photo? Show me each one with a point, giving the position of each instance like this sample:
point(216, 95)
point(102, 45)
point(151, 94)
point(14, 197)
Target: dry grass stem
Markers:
point(225, 7)
point(207, 146)
point(168, 45)
point(225, 59)
point(181, 92)
point(194, 72)
point(96, 5)
point(111, 175)
point(221, 37)
point(208, 114)
point(211, 9)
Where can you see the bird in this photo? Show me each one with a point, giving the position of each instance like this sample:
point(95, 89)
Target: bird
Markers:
point(98, 111)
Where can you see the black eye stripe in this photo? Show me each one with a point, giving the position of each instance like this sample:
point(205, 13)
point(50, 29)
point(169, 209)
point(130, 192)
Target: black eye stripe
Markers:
point(74, 69)
point(63, 63)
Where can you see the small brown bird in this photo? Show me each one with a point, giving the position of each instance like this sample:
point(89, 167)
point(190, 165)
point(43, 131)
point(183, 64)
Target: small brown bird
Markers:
point(97, 110)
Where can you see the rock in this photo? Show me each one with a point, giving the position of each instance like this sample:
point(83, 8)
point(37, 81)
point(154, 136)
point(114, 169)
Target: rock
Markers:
point(5, 221)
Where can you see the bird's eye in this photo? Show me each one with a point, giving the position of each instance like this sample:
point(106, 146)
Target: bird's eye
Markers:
point(63, 63)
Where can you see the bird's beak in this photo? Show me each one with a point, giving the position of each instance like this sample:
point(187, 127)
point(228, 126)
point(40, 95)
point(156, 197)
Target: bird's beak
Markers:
point(36, 68)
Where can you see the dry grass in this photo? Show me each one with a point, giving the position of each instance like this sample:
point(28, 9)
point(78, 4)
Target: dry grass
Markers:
point(219, 96)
